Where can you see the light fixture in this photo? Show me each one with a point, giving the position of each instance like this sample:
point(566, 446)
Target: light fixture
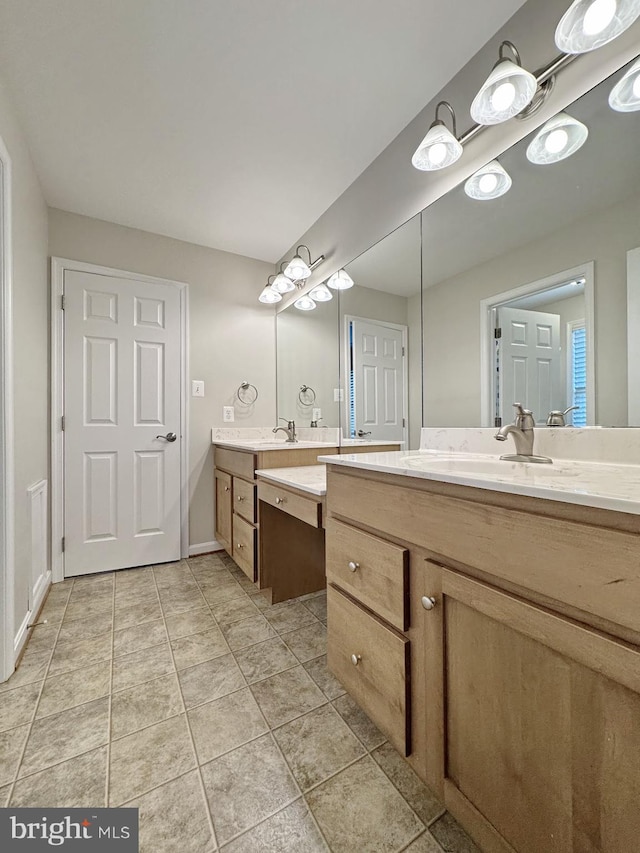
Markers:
point(268, 295)
point(440, 147)
point(305, 303)
point(297, 269)
point(589, 24)
point(491, 181)
point(558, 139)
point(282, 283)
point(340, 280)
point(506, 91)
point(625, 95)
point(321, 293)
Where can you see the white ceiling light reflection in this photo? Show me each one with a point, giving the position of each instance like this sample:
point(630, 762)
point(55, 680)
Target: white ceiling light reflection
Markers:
point(558, 139)
point(321, 293)
point(340, 280)
point(589, 24)
point(625, 95)
point(488, 183)
point(305, 303)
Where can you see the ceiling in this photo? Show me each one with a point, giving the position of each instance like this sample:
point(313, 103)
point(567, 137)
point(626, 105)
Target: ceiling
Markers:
point(230, 123)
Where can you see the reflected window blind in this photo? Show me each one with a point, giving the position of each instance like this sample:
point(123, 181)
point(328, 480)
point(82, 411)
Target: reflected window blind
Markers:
point(352, 387)
point(579, 374)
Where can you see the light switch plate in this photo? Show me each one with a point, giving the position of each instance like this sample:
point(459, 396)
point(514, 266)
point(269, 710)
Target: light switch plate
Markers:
point(337, 395)
point(228, 414)
point(316, 415)
point(197, 388)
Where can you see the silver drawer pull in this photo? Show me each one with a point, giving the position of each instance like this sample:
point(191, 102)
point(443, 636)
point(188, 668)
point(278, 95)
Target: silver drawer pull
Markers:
point(240, 498)
point(428, 602)
point(355, 659)
point(239, 545)
point(280, 500)
point(353, 566)
point(226, 488)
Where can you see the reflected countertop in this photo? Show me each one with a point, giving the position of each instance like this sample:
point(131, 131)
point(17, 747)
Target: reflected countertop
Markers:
point(307, 478)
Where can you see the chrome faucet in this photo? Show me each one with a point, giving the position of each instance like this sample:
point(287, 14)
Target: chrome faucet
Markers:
point(290, 430)
point(523, 435)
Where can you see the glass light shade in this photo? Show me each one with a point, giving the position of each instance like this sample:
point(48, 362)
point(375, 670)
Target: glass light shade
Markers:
point(505, 93)
point(340, 280)
point(589, 24)
point(558, 139)
point(437, 150)
point(269, 296)
point(305, 303)
point(490, 182)
point(297, 269)
point(283, 283)
point(625, 95)
point(321, 293)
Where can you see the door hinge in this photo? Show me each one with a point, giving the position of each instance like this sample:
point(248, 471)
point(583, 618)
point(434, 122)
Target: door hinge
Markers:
point(497, 333)
point(62, 302)
point(62, 423)
point(403, 351)
point(404, 422)
point(497, 422)
point(63, 538)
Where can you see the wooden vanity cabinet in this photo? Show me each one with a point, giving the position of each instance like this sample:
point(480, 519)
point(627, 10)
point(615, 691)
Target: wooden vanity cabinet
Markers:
point(224, 509)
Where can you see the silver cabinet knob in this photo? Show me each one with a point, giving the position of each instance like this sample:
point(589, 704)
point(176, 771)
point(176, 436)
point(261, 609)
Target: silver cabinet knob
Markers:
point(279, 500)
point(226, 488)
point(428, 602)
point(170, 437)
point(239, 545)
point(355, 659)
point(240, 497)
point(353, 566)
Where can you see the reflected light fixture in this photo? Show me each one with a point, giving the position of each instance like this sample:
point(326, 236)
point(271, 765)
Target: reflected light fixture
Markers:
point(321, 293)
point(625, 95)
point(489, 182)
point(340, 280)
point(440, 147)
point(506, 91)
point(305, 303)
point(558, 139)
point(282, 283)
point(589, 24)
point(269, 296)
point(297, 269)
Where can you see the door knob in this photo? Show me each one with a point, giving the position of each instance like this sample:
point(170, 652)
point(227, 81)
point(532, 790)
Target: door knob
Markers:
point(170, 436)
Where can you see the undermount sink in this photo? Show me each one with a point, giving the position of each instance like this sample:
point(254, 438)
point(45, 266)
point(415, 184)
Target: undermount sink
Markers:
point(491, 467)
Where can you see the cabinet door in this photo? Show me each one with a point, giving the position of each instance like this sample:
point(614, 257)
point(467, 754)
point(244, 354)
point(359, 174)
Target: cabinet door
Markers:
point(542, 726)
point(224, 509)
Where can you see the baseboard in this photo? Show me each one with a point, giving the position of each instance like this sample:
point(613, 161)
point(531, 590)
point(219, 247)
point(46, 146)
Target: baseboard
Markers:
point(204, 548)
point(30, 616)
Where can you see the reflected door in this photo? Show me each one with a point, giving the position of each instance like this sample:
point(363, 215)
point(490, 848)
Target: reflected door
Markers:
point(122, 406)
point(377, 380)
point(530, 363)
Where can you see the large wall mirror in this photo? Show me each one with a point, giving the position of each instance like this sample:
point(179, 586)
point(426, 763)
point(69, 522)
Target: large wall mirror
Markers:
point(525, 294)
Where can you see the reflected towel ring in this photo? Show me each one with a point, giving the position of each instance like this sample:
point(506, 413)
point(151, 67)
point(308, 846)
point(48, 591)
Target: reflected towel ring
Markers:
point(306, 395)
point(247, 393)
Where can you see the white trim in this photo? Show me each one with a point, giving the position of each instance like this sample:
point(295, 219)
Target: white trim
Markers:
point(487, 307)
point(7, 482)
point(205, 548)
point(21, 636)
point(58, 268)
point(633, 338)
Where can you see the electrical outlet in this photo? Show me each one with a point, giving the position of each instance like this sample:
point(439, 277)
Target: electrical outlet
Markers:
point(197, 388)
point(316, 415)
point(228, 414)
point(338, 396)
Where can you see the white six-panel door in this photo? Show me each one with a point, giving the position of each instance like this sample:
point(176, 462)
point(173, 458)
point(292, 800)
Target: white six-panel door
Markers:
point(122, 363)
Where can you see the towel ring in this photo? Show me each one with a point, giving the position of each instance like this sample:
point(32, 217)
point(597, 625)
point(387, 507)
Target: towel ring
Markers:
point(306, 395)
point(247, 393)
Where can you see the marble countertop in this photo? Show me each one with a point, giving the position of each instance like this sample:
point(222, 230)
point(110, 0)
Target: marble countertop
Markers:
point(256, 445)
point(307, 478)
point(604, 485)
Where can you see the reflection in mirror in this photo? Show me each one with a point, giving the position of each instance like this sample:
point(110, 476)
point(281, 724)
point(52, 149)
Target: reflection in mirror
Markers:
point(510, 283)
point(380, 341)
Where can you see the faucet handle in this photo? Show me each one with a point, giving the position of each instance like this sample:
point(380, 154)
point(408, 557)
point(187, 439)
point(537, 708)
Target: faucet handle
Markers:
point(524, 417)
point(521, 411)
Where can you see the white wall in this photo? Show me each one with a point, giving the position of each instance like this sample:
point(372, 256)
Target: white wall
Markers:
point(232, 334)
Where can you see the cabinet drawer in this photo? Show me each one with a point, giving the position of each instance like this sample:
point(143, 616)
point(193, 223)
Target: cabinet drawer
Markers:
point(244, 499)
point(379, 679)
point(308, 510)
point(236, 462)
point(244, 546)
point(370, 569)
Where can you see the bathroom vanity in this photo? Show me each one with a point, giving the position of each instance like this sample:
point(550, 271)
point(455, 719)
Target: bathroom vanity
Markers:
point(488, 621)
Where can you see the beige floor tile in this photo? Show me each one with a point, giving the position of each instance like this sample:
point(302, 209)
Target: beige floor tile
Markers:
point(141, 666)
point(18, 706)
point(171, 576)
point(191, 622)
point(451, 836)
point(145, 759)
point(248, 632)
point(32, 668)
point(179, 586)
point(358, 721)
point(11, 745)
point(246, 786)
point(83, 606)
point(197, 648)
point(317, 745)
point(139, 637)
point(76, 783)
point(359, 809)
point(98, 583)
point(61, 736)
point(289, 618)
point(76, 630)
point(174, 601)
point(291, 830)
point(260, 601)
point(318, 606)
point(62, 692)
point(287, 695)
point(147, 610)
point(227, 612)
point(77, 655)
point(225, 724)
point(224, 591)
point(4, 796)
point(43, 637)
point(415, 792)
point(265, 659)
point(134, 577)
point(307, 643)
point(210, 680)
point(329, 685)
point(136, 594)
point(54, 609)
point(175, 813)
point(426, 843)
point(141, 706)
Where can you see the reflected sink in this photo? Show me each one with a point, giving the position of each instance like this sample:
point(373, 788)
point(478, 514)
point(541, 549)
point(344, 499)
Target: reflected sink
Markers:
point(490, 467)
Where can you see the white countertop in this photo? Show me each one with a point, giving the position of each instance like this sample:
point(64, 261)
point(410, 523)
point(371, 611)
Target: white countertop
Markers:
point(258, 445)
point(607, 486)
point(307, 478)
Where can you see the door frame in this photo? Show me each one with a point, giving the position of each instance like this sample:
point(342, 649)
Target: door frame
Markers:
point(633, 344)
point(58, 268)
point(487, 325)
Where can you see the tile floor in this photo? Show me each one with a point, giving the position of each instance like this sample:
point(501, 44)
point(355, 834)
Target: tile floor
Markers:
point(180, 690)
